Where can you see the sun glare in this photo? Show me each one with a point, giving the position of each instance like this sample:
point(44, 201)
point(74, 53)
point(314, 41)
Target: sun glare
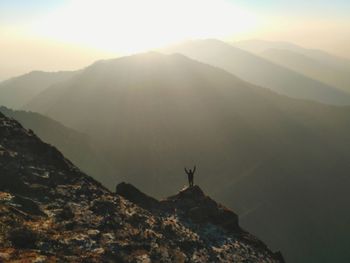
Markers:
point(137, 25)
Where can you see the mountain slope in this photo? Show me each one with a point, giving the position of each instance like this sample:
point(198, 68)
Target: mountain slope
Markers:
point(260, 71)
point(18, 91)
point(77, 146)
point(52, 212)
point(267, 155)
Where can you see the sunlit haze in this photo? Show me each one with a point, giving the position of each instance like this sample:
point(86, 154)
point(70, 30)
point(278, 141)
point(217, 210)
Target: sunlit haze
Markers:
point(66, 35)
point(131, 26)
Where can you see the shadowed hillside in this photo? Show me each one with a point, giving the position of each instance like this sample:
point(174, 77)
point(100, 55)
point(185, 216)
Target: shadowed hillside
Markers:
point(269, 156)
point(52, 212)
point(77, 146)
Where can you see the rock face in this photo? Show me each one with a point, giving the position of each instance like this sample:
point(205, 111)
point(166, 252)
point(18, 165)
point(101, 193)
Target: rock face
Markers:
point(51, 212)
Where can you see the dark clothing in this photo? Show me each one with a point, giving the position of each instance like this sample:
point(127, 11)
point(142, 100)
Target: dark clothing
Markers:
point(190, 175)
point(190, 180)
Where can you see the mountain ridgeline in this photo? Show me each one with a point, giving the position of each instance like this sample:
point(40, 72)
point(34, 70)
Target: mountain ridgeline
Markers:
point(52, 212)
point(339, 78)
point(276, 159)
point(322, 57)
point(263, 72)
point(16, 92)
point(316, 64)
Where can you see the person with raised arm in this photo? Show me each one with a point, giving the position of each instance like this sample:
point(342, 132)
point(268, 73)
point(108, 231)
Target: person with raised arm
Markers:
point(190, 175)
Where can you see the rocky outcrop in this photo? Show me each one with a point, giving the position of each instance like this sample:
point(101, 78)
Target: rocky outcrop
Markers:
point(195, 205)
point(52, 212)
point(190, 203)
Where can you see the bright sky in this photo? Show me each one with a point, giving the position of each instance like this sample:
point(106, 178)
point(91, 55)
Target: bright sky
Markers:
point(69, 34)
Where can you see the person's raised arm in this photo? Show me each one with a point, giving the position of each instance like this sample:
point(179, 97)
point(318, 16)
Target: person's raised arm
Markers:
point(194, 169)
point(186, 171)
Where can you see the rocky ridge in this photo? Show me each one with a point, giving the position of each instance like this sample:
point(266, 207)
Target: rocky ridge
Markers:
point(52, 212)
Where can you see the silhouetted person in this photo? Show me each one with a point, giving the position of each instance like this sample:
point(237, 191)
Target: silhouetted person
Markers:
point(190, 176)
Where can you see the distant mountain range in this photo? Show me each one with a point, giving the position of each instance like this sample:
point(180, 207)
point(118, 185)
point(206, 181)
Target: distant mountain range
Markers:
point(17, 91)
point(283, 67)
point(260, 71)
point(277, 160)
point(315, 64)
point(258, 46)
